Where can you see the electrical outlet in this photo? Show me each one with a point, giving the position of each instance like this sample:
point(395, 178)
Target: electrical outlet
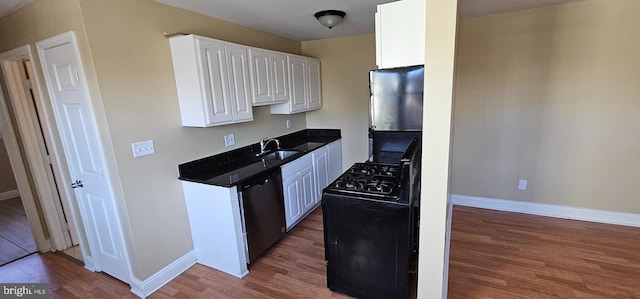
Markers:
point(229, 140)
point(143, 148)
point(288, 122)
point(522, 184)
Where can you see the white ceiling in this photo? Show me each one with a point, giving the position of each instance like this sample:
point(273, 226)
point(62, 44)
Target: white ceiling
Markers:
point(294, 18)
point(8, 6)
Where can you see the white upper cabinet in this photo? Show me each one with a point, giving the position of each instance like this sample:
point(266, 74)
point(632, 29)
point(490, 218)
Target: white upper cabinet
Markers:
point(269, 77)
point(280, 71)
point(305, 86)
point(218, 82)
point(298, 99)
point(314, 85)
point(400, 33)
point(212, 80)
point(239, 81)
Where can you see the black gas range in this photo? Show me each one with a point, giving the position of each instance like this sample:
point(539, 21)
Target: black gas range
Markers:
point(376, 181)
point(371, 227)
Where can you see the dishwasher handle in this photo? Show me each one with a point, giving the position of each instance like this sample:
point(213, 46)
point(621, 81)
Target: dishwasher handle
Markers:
point(261, 180)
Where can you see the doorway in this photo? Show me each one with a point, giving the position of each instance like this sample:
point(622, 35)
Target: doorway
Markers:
point(16, 239)
point(32, 160)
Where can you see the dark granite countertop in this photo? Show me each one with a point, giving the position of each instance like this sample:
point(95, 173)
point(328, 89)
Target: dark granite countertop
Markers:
point(237, 166)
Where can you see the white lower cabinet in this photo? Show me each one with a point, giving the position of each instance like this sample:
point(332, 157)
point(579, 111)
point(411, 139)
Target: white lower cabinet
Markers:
point(215, 215)
point(327, 166)
point(216, 227)
point(334, 150)
point(304, 179)
point(299, 189)
point(321, 171)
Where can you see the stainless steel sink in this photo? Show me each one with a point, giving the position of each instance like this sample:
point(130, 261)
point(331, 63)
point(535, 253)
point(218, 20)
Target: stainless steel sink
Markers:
point(280, 154)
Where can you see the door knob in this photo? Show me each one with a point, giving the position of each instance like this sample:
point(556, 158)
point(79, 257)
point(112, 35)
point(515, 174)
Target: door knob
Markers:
point(76, 184)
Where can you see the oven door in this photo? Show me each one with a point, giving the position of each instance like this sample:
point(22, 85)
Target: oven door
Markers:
point(367, 247)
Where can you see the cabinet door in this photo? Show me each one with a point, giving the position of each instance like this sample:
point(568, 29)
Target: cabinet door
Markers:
point(321, 170)
point(280, 77)
point(307, 196)
point(239, 90)
point(292, 208)
point(335, 159)
point(400, 33)
point(298, 87)
point(314, 97)
point(261, 74)
point(214, 81)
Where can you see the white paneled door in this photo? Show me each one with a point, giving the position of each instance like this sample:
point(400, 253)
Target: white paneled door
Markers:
point(83, 152)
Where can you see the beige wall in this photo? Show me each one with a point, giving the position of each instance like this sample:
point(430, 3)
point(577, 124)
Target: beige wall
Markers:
point(127, 61)
point(551, 95)
point(134, 71)
point(7, 180)
point(26, 26)
point(346, 62)
point(128, 64)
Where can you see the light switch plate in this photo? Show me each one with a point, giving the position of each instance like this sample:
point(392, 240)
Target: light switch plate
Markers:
point(229, 140)
point(143, 148)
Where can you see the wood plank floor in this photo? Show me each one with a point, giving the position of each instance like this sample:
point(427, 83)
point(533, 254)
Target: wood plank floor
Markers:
point(16, 239)
point(493, 255)
point(510, 255)
point(293, 268)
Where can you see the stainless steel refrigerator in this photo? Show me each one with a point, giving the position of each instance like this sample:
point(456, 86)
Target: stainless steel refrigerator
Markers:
point(395, 115)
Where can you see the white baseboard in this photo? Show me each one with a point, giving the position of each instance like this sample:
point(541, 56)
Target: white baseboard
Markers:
point(145, 288)
point(541, 209)
point(9, 194)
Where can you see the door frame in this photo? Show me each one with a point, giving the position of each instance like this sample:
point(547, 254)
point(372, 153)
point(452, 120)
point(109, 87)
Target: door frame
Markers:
point(49, 195)
point(20, 174)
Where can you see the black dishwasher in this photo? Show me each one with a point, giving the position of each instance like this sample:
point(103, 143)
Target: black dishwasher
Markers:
point(263, 211)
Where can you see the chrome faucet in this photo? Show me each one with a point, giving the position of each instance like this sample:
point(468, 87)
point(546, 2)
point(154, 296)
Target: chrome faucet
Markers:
point(264, 142)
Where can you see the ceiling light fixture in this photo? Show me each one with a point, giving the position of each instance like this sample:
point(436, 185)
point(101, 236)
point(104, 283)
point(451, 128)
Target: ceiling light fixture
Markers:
point(330, 18)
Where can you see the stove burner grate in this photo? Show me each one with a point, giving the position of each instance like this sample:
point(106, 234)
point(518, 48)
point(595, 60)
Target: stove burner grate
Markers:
point(351, 184)
point(374, 169)
point(382, 187)
point(368, 178)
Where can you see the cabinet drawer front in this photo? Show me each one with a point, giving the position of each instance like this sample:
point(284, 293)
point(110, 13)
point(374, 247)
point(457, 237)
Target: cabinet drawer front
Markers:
point(296, 166)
